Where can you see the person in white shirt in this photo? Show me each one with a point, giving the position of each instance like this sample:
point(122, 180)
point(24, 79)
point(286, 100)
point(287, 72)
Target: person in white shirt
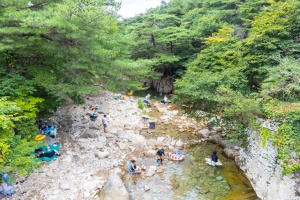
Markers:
point(165, 100)
point(104, 123)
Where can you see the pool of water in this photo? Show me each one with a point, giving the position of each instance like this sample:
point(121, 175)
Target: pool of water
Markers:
point(191, 178)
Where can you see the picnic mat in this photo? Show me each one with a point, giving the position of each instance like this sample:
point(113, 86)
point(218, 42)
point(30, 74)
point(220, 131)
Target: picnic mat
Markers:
point(52, 147)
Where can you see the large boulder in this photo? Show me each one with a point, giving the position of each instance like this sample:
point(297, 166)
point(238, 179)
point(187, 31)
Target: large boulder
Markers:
point(229, 152)
point(153, 143)
point(150, 153)
point(97, 145)
point(165, 85)
point(89, 134)
point(229, 144)
point(122, 145)
point(137, 139)
point(114, 189)
point(94, 126)
point(204, 133)
point(151, 171)
point(179, 143)
point(102, 139)
point(216, 139)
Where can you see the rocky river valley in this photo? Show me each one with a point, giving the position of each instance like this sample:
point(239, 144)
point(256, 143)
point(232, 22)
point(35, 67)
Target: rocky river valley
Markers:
point(93, 163)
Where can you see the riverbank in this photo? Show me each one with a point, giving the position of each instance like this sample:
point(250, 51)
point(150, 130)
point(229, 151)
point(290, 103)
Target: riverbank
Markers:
point(90, 155)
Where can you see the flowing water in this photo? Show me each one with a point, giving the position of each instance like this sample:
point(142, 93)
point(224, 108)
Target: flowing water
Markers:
point(191, 178)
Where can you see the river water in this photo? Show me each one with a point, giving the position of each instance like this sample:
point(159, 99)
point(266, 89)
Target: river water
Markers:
point(191, 178)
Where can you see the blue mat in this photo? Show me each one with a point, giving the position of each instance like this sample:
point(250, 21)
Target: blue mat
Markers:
point(51, 130)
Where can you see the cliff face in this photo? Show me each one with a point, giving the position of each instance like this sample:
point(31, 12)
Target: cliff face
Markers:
point(264, 172)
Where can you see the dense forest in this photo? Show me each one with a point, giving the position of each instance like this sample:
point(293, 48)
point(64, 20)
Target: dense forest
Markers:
point(237, 59)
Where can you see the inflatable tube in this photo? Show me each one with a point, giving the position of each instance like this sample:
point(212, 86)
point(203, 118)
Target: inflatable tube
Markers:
point(210, 162)
point(39, 137)
point(176, 155)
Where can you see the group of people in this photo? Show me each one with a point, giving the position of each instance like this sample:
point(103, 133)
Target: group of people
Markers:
point(120, 97)
point(146, 100)
point(160, 154)
point(94, 115)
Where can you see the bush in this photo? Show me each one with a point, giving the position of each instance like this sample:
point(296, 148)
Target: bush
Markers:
point(140, 104)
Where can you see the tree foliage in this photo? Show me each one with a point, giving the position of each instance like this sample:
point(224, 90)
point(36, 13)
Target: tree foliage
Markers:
point(229, 57)
point(50, 50)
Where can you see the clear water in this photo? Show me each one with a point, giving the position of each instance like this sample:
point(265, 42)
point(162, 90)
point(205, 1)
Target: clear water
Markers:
point(192, 178)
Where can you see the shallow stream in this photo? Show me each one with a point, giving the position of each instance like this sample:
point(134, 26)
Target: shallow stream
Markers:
point(191, 178)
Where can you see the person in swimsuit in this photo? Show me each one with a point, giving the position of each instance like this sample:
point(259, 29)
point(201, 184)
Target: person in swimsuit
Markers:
point(160, 155)
point(135, 168)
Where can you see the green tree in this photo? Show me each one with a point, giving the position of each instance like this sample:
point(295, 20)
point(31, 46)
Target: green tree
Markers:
point(283, 81)
point(15, 151)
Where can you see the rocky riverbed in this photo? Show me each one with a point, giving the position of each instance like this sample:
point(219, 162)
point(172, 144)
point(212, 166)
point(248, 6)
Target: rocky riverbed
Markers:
point(93, 162)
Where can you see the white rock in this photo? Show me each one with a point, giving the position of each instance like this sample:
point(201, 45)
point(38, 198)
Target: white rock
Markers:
point(122, 146)
point(151, 171)
point(160, 139)
point(90, 185)
point(102, 154)
point(54, 192)
point(64, 185)
point(113, 130)
point(150, 153)
point(86, 194)
point(147, 188)
point(137, 139)
point(204, 133)
point(97, 145)
point(179, 143)
point(114, 189)
point(102, 139)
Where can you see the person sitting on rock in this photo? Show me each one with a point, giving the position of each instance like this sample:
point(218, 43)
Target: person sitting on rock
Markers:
point(119, 96)
point(41, 154)
point(214, 158)
point(160, 155)
point(93, 116)
point(146, 99)
point(165, 100)
point(134, 168)
point(7, 189)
